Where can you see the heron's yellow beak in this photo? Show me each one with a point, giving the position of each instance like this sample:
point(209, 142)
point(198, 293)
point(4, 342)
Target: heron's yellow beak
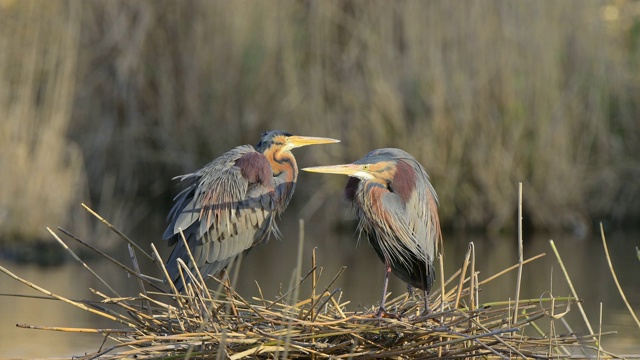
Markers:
point(300, 141)
point(344, 169)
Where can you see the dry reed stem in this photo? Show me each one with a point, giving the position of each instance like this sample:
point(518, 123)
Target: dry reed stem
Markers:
point(600, 331)
point(474, 293)
point(573, 290)
point(61, 298)
point(615, 277)
point(75, 257)
point(118, 232)
point(149, 279)
point(463, 273)
point(520, 254)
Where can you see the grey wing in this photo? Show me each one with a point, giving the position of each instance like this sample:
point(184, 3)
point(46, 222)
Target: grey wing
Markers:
point(416, 223)
point(222, 213)
point(401, 225)
point(424, 203)
point(412, 253)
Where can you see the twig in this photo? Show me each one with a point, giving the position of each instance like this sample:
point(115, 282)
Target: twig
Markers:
point(146, 278)
point(326, 289)
point(73, 254)
point(490, 278)
point(463, 275)
point(615, 278)
point(120, 233)
point(136, 267)
point(473, 293)
point(297, 274)
point(573, 290)
point(77, 330)
point(600, 332)
point(74, 303)
point(193, 261)
point(442, 292)
point(520, 254)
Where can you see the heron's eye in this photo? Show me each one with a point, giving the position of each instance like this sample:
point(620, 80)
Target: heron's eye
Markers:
point(365, 167)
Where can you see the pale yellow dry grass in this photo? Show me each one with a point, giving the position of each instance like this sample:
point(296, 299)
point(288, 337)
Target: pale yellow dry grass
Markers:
point(484, 95)
point(42, 171)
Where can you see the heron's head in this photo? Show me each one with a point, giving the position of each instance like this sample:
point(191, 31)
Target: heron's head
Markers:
point(387, 167)
point(361, 169)
point(381, 165)
point(278, 140)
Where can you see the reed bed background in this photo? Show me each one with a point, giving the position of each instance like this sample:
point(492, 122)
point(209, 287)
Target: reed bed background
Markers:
point(108, 101)
point(311, 319)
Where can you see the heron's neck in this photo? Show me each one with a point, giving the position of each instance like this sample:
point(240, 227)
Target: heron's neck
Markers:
point(285, 175)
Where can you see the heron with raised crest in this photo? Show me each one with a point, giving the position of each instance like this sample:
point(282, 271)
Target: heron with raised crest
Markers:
point(229, 205)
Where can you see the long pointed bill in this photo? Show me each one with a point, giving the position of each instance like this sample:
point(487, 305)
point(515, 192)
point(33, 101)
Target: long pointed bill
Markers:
point(345, 169)
point(299, 141)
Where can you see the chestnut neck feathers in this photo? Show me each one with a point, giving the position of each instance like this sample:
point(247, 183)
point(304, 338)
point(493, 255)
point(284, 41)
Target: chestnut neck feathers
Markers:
point(283, 165)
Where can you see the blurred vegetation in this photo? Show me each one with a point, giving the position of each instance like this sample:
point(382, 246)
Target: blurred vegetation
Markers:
point(108, 100)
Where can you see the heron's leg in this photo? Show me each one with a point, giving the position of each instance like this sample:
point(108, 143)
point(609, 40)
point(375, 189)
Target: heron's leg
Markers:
point(228, 289)
point(410, 290)
point(427, 310)
point(387, 271)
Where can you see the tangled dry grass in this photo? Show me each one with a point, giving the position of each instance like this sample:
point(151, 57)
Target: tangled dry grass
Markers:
point(220, 323)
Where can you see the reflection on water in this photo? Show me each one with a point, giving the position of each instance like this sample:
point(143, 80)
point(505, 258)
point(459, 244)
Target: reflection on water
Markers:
point(273, 264)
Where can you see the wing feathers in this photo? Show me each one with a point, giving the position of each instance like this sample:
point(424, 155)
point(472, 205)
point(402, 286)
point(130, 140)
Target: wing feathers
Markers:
point(223, 211)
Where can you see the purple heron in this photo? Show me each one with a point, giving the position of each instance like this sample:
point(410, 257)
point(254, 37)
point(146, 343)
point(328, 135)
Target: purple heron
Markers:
point(397, 210)
point(229, 205)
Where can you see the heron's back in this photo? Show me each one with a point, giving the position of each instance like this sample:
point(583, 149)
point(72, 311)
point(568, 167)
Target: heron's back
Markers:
point(226, 209)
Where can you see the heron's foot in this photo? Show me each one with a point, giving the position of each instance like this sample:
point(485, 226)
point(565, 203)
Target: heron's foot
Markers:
point(425, 315)
point(382, 313)
point(410, 290)
point(426, 312)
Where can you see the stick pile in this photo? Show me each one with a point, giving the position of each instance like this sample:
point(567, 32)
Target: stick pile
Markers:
point(220, 323)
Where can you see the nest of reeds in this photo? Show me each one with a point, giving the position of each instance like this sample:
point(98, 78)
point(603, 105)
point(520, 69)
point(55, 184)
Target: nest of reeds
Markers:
point(219, 323)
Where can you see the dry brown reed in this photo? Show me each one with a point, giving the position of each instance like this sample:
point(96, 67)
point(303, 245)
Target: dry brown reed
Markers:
point(484, 95)
point(41, 171)
point(220, 323)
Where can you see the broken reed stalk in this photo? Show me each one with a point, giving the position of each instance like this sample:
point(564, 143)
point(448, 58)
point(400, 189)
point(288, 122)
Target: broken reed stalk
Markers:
point(149, 279)
point(192, 260)
point(600, 331)
point(118, 232)
point(520, 254)
point(573, 290)
point(63, 299)
point(473, 294)
point(297, 275)
point(463, 275)
point(76, 258)
point(615, 277)
point(313, 296)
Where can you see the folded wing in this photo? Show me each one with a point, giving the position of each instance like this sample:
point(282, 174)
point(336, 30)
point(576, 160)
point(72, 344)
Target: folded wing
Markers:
point(226, 208)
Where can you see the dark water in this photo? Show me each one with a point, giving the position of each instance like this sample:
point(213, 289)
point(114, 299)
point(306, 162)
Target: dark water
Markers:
point(272, 266)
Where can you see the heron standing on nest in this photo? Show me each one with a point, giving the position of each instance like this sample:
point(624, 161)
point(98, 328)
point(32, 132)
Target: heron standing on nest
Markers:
point(397, 209)
point(229, 205)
